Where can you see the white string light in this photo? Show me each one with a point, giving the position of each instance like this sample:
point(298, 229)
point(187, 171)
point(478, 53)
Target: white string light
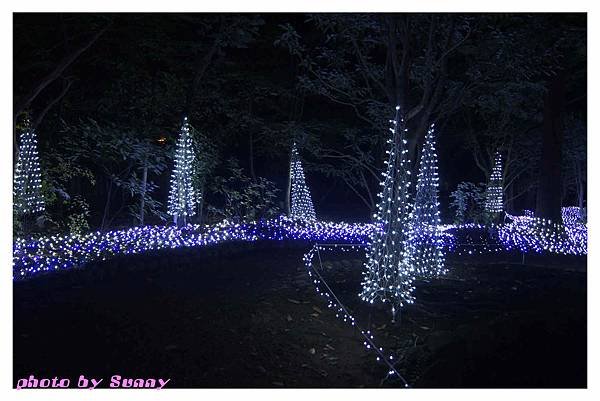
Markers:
point(27, 181)
point(341, 312)
point(388, 276)
point(182, 198)
point(426, 242)
point(494, 200)
point(301, 202)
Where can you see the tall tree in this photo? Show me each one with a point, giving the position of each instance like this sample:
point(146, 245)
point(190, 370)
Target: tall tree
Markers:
point(25, 100)
point(549, 196)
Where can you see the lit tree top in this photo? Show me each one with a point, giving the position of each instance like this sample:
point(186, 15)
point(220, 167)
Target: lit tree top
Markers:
point(494, 202)
point(27, 184)
point(388, 276)
point(182, 198)
point(301, 202)
point(426, 242)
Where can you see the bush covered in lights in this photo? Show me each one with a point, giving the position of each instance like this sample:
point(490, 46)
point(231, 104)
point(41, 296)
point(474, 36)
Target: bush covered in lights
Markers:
point(31, 257)
point(525, 234)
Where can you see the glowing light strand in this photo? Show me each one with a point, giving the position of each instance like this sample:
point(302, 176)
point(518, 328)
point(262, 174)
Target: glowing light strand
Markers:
point(301, 202)
point(494, 198)
point(182, 198)
point(54, 253)
point(32, 257)
point(426, 243)
point(27, 181)
point(341, 312)
point(388, 277)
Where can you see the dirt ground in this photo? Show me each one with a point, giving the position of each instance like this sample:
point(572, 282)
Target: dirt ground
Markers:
point(247, 315)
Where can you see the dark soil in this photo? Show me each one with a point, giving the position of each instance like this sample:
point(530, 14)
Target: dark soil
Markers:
point(246, 315)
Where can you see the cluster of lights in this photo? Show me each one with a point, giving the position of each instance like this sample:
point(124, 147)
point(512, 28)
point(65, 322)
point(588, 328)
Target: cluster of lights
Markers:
point(471, 239)
point(533, 234)
point(27, 184)
point(494, 202)
point(425, 239)
point(54, 253)
point(341, 312)
point(301, 202)
point(389, 276)
point(572, 215)
point(524, 234)
point(182, 198)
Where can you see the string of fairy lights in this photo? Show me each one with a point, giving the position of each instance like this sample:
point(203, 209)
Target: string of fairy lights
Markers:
point(27, 183)
point(301, 202)
point(54, 253)
point(388, 277)
point(341, 311)
point(182, 197)
point(406, 241)
point(425, 238)
point(494, 198)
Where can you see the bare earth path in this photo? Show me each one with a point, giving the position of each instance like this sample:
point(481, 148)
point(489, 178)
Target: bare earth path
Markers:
point(247, 316)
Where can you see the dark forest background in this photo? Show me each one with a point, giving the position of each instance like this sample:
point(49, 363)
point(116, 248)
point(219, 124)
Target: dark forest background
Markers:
point(106, 94)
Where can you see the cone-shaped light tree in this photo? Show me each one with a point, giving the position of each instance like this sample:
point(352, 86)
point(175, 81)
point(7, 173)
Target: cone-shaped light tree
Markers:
point(301, 201)
point(182, 197)
point(388, 276)
point(426, 243)
point(493, 198)
point(27, 184)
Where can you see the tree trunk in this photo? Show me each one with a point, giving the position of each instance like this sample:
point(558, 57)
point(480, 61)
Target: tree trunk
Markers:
point(580, 185)
point(288, 194)
point(201, 66)
point(106, 205)
point(144, 182)
point(548, 202)
point(201, 204)
point(251, 157)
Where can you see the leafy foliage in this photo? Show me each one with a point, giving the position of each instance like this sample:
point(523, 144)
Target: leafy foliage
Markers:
point(241, 198)
point(468, 202)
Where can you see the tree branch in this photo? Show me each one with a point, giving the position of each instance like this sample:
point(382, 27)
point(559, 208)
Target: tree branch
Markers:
point(26, 100)
point(43, 113)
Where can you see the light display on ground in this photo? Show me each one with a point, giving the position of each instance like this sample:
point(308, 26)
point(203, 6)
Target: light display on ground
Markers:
point(341, 311)
point(31, 257)
point(54, 253)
